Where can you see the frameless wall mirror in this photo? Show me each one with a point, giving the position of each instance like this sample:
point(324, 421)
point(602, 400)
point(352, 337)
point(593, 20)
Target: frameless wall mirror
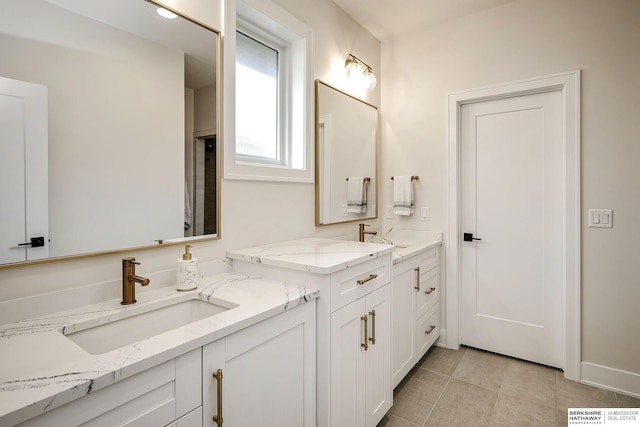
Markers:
point(108, 128)
point(346, 150)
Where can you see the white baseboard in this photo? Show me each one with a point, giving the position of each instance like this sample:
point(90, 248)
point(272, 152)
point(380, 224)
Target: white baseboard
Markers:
point(611, 379)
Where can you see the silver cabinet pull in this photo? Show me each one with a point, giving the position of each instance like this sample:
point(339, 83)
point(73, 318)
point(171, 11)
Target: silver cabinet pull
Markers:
point(372, 313)
point(218, 376)
point(429, 291)
point(363, 281)
point(428, 331)
point(417, 286)
point(365, 345)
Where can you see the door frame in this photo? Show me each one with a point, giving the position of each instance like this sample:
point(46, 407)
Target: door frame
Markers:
point(569, 84)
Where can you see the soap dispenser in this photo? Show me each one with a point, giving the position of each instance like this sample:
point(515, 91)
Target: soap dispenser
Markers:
point(187, 271)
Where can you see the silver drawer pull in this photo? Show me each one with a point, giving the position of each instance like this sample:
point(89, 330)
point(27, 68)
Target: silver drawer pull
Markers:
point(428, 331)
point(371, 277)
point(429, 291)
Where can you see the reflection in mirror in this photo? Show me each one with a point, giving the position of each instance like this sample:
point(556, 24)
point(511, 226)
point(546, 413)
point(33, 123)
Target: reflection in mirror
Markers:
point(108, 128)
point(346, 147)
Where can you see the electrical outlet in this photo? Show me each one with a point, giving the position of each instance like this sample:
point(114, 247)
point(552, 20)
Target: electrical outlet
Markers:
point(344, 210)
point(388, 212)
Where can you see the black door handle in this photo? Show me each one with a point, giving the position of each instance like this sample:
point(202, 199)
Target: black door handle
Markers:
point(35, 242)
point(468, 237)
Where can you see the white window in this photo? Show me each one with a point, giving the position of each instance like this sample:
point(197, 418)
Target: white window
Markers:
point(258, 127)
point(274, 124)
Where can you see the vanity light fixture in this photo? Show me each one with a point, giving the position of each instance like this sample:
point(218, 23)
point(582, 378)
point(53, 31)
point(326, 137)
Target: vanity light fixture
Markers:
point(166, 13)
point(360, 72)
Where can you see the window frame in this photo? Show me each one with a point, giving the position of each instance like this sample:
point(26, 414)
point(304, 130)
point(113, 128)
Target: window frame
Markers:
point(264, 21)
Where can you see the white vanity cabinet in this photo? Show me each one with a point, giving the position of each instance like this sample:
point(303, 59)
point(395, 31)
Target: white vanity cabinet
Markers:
point(264, 375)
point(158, 396)
point(353, 382)
point(415, 311)
point(268, 378)
point(264, 345)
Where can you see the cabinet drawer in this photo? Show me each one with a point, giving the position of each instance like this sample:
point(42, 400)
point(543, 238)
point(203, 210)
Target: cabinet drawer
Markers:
point(354, 282)
point(429, 260)
point(156, 396)
point(428, 293)
point(427, 331)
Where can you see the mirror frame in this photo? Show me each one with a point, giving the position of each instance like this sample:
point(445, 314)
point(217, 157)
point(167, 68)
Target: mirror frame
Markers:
point(317, 155)
point(178, 240)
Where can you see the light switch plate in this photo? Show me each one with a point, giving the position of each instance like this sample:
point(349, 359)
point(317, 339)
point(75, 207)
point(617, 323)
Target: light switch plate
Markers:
point(600, 218)
point(388, 212)
point(424, 213)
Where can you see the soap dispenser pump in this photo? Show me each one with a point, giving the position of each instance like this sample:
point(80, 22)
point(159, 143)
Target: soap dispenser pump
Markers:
point(187, 271)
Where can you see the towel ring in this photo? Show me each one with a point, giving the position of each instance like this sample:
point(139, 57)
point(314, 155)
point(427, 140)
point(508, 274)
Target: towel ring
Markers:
point(413, 178)
point(367, 179)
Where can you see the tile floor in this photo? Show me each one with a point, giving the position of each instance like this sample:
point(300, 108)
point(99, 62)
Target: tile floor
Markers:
point(471, 387)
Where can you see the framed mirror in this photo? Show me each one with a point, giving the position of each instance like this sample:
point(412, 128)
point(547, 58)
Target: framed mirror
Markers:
point(346, 151)
point(108, 135)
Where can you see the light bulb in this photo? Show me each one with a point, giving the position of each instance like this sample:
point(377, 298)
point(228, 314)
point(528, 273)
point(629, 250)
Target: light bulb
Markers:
point(166, 13)
point(353, 69)
point(369, 80)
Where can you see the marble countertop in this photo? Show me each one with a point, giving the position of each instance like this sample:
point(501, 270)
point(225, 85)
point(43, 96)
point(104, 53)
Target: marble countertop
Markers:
point(409, 243)
point(42, 369)
point(315, 255)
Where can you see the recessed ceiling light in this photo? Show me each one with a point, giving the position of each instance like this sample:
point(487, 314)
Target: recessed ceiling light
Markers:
point(166, 13)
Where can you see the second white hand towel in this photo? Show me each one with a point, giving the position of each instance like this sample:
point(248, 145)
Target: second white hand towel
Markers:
point(403, 202)
point(356, 195)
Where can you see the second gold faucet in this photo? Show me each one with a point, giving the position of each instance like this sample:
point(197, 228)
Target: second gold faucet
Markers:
point(361, 232)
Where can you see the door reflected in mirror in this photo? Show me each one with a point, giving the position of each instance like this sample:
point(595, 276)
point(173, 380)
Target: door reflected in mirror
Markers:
point(346, 154)
point(130, 126)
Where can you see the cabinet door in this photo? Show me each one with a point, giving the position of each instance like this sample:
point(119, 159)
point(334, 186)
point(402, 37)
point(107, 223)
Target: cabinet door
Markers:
point(402, 325)
point(361, 361)
point(349, 335)
point(268, 373)
point(378, 356)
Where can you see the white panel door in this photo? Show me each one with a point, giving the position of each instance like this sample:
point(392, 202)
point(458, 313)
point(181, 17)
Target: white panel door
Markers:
point(512, 203)
point(23, 170)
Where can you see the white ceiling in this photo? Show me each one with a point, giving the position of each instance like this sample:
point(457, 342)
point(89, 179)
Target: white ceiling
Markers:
point(388, 18)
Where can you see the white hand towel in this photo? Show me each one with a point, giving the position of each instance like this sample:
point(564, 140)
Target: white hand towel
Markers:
point(356, 195)
point(403, 202)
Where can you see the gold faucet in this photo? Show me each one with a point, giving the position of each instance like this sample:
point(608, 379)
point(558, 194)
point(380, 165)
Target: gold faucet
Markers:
point(361, 232)
point(129, 279)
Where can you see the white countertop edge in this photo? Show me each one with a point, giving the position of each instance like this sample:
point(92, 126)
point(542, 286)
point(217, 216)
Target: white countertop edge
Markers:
point(404, 253)
point(314, 255)
point(53, 386)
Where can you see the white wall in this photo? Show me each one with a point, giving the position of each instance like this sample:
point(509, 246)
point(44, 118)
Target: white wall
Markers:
point(520, 40)
point(253, 213)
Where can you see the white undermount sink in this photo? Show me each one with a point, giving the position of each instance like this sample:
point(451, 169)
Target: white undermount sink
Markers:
point(124, 331)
